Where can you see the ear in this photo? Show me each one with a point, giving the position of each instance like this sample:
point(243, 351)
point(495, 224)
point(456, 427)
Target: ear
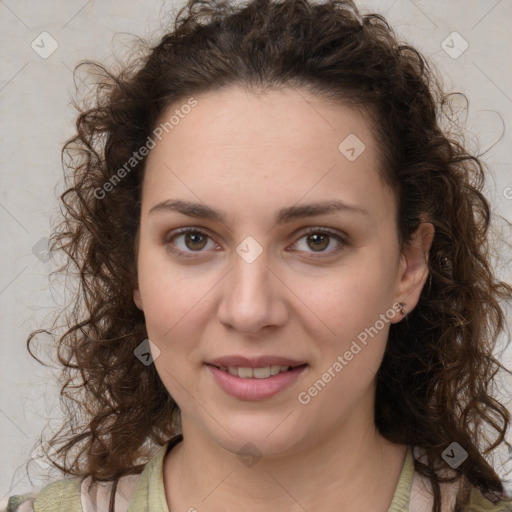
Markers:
point(413, 269)
point(137, 298)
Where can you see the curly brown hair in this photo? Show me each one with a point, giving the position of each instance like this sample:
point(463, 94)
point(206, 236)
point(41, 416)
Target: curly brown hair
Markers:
point(118, 409)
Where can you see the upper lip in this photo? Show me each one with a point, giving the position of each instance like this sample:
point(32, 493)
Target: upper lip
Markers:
point(254, 362)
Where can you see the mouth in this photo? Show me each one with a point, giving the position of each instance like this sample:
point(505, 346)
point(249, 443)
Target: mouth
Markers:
point(263, 372)
point(257, 378)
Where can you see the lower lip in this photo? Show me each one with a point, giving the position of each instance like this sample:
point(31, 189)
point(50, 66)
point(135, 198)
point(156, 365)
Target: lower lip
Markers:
point(255, 389)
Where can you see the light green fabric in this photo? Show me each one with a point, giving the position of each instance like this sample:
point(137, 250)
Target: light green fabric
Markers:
point(60, 495)
point(150, 493)
point(480, 504)
point(400, 501)
point(149, 496)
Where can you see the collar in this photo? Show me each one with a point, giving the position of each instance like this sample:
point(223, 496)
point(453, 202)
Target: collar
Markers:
point(150, 491)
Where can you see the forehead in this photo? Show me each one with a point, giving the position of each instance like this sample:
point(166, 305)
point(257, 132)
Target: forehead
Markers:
point(286, 144)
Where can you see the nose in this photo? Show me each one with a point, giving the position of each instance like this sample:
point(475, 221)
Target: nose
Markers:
point(253, 297)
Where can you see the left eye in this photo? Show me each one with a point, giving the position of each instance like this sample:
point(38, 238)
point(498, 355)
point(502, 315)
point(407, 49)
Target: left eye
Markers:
point(319, 240)
point(193, 239)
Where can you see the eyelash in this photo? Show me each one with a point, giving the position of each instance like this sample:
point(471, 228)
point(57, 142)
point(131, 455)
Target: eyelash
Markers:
point(324, 231)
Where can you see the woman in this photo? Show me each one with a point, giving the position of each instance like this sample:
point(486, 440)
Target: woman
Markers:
point(284, 263)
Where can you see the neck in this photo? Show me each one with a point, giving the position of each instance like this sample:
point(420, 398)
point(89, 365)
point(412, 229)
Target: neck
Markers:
point(356, 469)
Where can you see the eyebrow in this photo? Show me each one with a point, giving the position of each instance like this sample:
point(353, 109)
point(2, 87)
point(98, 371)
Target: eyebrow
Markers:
point(201, 211)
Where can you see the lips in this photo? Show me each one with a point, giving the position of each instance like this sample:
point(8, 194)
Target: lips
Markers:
point(254, 362)
point(262, 387)
point(255, 378)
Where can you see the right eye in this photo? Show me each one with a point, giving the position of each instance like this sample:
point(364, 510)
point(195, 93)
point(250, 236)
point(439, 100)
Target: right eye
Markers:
point(192, 240)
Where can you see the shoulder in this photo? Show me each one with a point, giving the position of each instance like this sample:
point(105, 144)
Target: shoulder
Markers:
point(78, 494)
point(421, 496)
point(56, 496)
point(96, 496)
point(481, 504)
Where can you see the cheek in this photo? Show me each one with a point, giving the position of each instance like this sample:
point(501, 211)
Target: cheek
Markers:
point(353, 298)
point(355, 305)
point(173, 316)
point(173, 313)
point(171, 295)
point(350, 355)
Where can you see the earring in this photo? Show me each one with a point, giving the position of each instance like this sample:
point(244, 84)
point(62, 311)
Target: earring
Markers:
point(402, 308)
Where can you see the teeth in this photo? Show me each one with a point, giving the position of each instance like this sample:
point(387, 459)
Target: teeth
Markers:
point(261, 373)
point(275, 369)
point(257, 373)
point(245, 373)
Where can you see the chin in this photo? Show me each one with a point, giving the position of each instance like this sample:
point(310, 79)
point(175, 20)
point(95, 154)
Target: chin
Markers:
point(268, 436)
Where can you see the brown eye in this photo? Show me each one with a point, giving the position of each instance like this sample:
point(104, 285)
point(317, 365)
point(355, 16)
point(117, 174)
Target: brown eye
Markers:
point(187, 241)
point(195, 241)
point(322, 241)
point(319, 241)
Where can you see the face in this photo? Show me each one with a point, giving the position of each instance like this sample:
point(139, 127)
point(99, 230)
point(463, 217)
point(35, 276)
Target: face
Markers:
point(262, 282)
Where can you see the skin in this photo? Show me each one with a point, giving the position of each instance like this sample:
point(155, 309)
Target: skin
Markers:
point(249, 156)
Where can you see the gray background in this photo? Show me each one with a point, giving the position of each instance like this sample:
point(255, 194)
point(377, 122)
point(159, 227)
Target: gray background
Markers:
point(36, 118)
